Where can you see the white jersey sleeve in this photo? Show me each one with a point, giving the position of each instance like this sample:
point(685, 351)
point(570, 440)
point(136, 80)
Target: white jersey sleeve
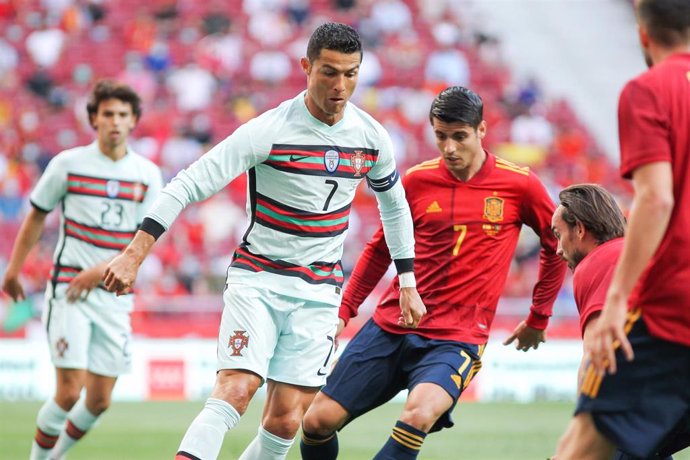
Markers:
point(206, 176)
point(396, 218)
point(51, 187)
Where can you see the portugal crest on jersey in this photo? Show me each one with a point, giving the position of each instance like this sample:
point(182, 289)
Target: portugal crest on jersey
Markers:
point(493, 209)
point(331, 160)
point(357, 162)
point(238, 341)
point(112, 188)
point(137, 191)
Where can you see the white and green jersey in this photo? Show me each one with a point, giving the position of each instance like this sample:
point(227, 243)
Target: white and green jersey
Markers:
point(303, 175)
point(103, 203)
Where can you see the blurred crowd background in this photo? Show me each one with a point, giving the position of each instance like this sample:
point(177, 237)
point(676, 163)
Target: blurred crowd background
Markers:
point(203, 68)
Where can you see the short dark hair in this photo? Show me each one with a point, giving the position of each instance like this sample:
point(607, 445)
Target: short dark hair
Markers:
point(457, 105)
point(595, 208)
point(667, 21)
point(336, 37)
point(109, 89)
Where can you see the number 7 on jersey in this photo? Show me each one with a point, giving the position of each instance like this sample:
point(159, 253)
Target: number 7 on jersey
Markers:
point(463, 231)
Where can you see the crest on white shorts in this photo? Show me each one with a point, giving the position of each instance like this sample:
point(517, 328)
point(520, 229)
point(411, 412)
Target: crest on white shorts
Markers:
point(331, 160)
point(62, 345)
point(237, 342)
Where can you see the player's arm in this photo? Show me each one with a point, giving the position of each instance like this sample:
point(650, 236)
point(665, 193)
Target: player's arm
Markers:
point(29, 234)
point(649, 216)
point(85, 281)
point(536, 211)
point(203, 178)
point(371, 265)
point(399, 235)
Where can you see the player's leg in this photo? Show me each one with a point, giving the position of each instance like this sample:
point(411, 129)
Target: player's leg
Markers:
point(68, 337)
point(366, 375)
point(301, 359)
point(438, 373)
point(85, 412)
point(323, 418)
point(248, 333)
point(108, 357)
point(283, 411)
point(53, 414)
point(229, 399)
point(582, 441)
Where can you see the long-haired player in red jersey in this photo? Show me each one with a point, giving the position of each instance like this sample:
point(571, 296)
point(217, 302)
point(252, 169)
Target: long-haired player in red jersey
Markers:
point(636, 394)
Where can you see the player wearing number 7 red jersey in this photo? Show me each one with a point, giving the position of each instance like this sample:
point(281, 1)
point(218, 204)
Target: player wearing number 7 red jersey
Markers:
point(468, 207)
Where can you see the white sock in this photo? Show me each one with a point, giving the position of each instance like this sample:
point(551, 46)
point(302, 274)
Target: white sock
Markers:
point(204, 437)
point(267, 446)
point(49, 422)
point(79, 421)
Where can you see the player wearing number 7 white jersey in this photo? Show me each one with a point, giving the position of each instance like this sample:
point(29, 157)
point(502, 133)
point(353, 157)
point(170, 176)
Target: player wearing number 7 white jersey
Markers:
point(304, 160)
point(103, 190)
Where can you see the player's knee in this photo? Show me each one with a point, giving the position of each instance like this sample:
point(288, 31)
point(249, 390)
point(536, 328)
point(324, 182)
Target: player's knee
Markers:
point(237, 397)
point(98, 405)
point(67, 398)
point(422, 418)
point(316, 422)
point(284, 426)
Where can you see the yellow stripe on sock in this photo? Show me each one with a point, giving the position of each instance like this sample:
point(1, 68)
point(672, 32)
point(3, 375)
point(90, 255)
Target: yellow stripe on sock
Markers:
point(315, 442)
point(405, 443)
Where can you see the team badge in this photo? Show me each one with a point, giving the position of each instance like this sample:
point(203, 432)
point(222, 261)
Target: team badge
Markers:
point(112, 188)
point(331, 160)
point(61, 345)
point(357, 162)
point(493, 209)
point(238, 342)
point(137, 191)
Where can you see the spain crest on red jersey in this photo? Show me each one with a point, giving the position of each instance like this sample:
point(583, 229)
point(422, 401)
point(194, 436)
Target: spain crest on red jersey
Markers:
point(357, 162)
point(238, 341)
point(493, 209)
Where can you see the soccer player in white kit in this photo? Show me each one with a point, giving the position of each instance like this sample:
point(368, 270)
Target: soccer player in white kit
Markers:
point(104, 190)
point(304, 159)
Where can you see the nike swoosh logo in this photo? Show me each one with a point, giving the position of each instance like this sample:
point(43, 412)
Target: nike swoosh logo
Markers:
point(321, 372)
point(298, 157)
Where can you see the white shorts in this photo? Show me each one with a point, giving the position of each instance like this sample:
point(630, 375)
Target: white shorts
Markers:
point(86, 335)
point(281, 338)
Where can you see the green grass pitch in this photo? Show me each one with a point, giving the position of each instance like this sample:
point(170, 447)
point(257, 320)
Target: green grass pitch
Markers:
point(152, 430)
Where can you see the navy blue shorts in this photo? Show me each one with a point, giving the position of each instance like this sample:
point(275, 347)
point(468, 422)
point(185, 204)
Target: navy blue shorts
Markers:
point(643, 407)
point(377, 365)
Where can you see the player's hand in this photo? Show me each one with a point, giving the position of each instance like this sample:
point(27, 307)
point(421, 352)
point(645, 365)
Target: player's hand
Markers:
point(609, 332)
point(120, 274)
point(341, 326)
point(83, 283)
point(13, 288)
point(411, 308)
point(527, 337)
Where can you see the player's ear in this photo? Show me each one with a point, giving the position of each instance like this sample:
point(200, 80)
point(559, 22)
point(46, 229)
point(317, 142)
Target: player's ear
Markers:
point(306, 65)
point(580, 229)
point(481, 129)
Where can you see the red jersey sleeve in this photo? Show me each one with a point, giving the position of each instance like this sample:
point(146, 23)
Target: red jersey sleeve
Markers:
point(536, 211)
point(371, 265)
point(643, 128)
point(590, 287)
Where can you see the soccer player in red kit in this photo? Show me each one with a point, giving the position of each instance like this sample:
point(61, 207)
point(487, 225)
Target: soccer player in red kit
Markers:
point(589, 227)
point(468, 207)
point(636, 393)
